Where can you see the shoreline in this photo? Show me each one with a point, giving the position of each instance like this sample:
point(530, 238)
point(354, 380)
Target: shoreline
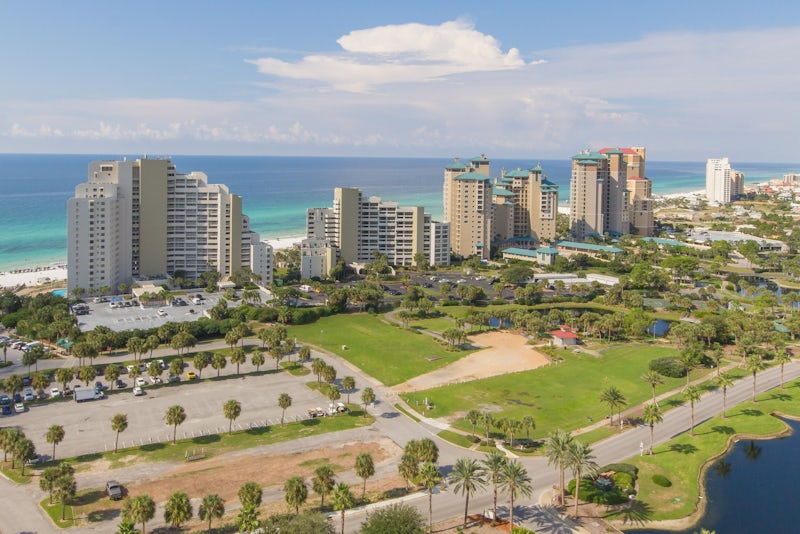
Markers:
point(37, 275)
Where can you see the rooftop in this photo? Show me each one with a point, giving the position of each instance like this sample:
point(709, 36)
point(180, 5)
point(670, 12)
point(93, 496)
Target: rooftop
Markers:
point(561, 334)
point(500, 192)
point(626, 151)
point(588, 246)
point(472, 176)
point(588, 156)
point(517, 173)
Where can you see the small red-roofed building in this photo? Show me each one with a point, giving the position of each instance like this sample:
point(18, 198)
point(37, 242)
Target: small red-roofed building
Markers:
point(564, 337)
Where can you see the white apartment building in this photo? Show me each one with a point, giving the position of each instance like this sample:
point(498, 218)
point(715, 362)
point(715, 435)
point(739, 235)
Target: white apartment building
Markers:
point(141, 219)
point(720, 181)
point(358, 227)
point(317, 257)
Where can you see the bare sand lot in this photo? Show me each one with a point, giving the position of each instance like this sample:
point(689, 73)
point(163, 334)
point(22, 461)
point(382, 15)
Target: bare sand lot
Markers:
point(505, 352)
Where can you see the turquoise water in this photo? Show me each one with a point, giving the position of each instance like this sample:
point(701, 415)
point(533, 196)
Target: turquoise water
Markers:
point(59, 292)
point(276, 191)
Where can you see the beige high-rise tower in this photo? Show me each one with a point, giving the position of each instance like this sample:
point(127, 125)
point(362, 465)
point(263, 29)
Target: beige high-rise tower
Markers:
point(526, 205)
point(142, 219)
point(467, 194)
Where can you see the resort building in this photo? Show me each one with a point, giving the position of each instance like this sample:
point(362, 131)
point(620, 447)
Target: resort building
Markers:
point(357, 227)
point(467, 196)
point(317, 257)
point(141, 219)
point(723, 184)
point(587, 215)
point(525, 205)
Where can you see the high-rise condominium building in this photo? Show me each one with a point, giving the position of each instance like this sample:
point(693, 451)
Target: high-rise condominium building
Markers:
point(599, 200)
point(639, 190)
point(142, 219)
point(723, 184)
point(467, 196)
point(525, 205)
point(358, 226)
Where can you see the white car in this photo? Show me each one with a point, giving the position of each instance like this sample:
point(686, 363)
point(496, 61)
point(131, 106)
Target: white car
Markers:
point(55, 392)
point(140, 381)
point(161, 313)
point(138, 391)
point(156, 380)
point(163, 364)
point(19, 407)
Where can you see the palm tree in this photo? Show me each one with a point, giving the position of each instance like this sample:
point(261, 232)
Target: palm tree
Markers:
point(323, 483)
point(238, 356)
point(258, 360)
point(487, 420)
point(348, 384)
point(200, 361)
point(231, 409)
point(365, 468)
point(530, 424)
point(692, 394)
point(367, 397)
point(218, 361)
point(23, 451)
point(782, 358)
point(212, 507)
point(284, 401)
point(178, 509)
point(139, 509)
point(581, 461)
point(651, 416)
point(250, 494)
point(493, 467)
point(430, 476)
point(408, 468)
point(342, 499)
point(317, 366)
point(64, 489)
point(119, 423)
point(653, 378)
point(754, 365)
point(55, 435)
point(613, 397)
point(473, 416)
point(47, 479)
point(724, 381)
point(296, 492)
point(515, 481)
point(467, 478)
point(175, 416)
point(557, 451)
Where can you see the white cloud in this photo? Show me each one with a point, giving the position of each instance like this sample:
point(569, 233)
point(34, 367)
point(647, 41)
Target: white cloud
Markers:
point(404, 53)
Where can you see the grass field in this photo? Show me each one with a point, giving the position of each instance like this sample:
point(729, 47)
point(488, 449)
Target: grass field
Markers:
point(682, 458)
point(389, 353)
point(564, 395)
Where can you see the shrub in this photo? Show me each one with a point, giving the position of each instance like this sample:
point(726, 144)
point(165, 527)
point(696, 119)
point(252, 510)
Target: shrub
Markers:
point(591, 492)
point(631, 469)
point(669, 366)
point(449, 302)
point(623, 482)
point(662, 481)
point(522, 530)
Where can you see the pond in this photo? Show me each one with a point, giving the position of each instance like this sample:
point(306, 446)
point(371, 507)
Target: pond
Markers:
point(659, 327)
point(752, 488)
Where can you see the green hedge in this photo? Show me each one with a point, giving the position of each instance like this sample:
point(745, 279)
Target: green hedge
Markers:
point(662, 481)
point(669, 366)
point(631, 469)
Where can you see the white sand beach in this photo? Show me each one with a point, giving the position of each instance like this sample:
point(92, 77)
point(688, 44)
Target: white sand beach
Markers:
point(33, 276)
point(282, 243)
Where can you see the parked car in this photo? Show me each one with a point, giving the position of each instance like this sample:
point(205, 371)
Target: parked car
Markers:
point(120, 384)
point(55, 392)
point(156, 380)
point(28, 395)
point(163, 364)
point(173, 378)
point(18, 397)
point(138, 391)
point(161, 313)
point(26, 381)
point(191, 375)
point(140, 381)
point(19, 407)
point(114, 490)
point(36, 458)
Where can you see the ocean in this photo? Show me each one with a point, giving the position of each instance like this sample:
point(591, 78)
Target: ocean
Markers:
point(275, 190)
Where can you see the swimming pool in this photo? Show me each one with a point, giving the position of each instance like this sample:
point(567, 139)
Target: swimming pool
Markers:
point(60, 292)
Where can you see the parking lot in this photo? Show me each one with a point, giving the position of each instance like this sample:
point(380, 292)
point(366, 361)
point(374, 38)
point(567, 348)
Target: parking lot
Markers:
point(132, 317)
point(88, 424)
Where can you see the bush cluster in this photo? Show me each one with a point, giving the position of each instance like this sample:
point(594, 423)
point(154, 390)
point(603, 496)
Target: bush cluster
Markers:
point(662, 481)
point(631, 469)
point(669, 366)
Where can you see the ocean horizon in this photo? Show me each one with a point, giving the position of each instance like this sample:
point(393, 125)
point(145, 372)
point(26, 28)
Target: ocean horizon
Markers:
point(276, 190)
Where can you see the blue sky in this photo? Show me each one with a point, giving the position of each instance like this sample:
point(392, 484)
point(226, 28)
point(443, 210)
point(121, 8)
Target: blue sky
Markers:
point(689, 80)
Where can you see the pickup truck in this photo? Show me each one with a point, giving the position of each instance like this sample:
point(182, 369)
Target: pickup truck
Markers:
point(114, 490)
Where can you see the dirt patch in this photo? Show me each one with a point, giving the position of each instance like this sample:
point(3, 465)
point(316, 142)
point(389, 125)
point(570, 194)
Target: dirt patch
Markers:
point(505, 353)
point(225, 475)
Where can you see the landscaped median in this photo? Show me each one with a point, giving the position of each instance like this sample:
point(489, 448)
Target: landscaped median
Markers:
point(683, 460)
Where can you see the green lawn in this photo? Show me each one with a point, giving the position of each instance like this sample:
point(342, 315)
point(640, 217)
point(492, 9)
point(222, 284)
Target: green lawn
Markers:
point(564, 395)
point(387, 352)
point(682, 458)
point(434, 324)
